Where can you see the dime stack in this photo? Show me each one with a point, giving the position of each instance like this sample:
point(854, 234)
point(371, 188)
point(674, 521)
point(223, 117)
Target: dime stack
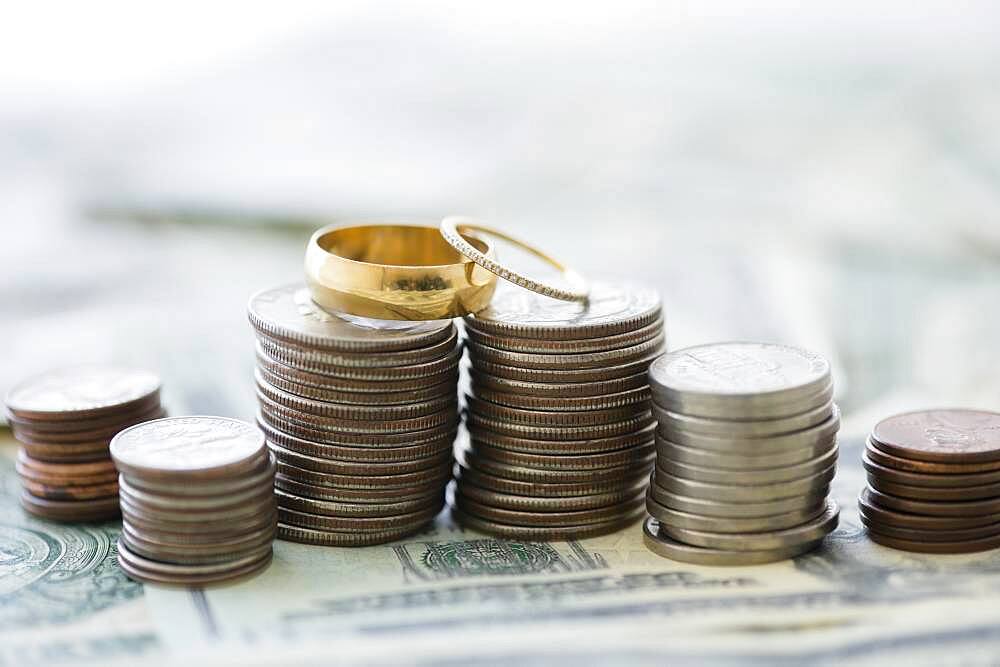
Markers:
point(934, 481)
point(361, 415)
point(746, 449)
point(197, 500)
point(64, 421)
point(560, 430)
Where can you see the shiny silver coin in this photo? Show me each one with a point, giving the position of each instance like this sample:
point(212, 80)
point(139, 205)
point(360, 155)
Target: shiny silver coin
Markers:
point(373, 440)
point(306, 355)
point(420, 517)
point(173, 502)
point(361, 510)
point(401, 482)
point(550, 519)
point(511, 531)
point(534, 345)
point(631, 398)
point(756, 493)
point(446, 413)
point(686, 430)
point(360, 496)
point(266, 378)
point(547, 490)
point(558, 390)
point(260, 505)
point(807, 533)
point(359, 454)
point(197, 556)
point(752, 477)
point(672, 517)
point(541, 504)
point(362, 468)
point(561, 361)
point(370, 373)
point(560, 376)
point(635, 438)
point(331, 538)
point(471, 459)
point(773, 411)
point(217, 529)
point(751, 460)
point(208, 541)
point(256, 478)
point(535, 432)
point(548, 418)
point(740, 380)
point(288, 313)
point(621, 457)
point(736, 510)
point(350, 411)
point(663, 545)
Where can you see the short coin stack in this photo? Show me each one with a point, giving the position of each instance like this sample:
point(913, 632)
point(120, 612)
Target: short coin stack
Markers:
point(64, 421)
point(934, 481)
point(361, 415)
point(197, 500)
point(746, 451)
point(558, 417)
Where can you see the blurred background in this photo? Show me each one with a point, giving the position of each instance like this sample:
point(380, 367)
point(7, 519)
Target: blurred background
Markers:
point(827, 176)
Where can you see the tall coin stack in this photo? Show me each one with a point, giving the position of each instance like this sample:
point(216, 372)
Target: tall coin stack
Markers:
point(746, 450)
point(64, 421)
point(558, 417)
point(197, 500)
point(934, 481)
point(361, 415)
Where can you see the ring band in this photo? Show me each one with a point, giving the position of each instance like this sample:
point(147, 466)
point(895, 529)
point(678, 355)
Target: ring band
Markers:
point(396, 272)
point(453, 228)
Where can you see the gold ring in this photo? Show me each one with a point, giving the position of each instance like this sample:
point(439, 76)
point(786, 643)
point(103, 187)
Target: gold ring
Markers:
point(396, 272)
point(454, 228)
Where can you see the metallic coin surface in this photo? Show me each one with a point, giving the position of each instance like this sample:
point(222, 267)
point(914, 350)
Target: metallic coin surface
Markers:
point(386, 454)
point(971, 546)
point(69, 493)
point(419, 517)
point(289, 313)
point(752, 477)
point(353, 384)
point(63, 470)
point(174, 502)
point(260, 505)
point(73, 428)
point(81, 392)
point(258, 477)
point(673, 425)
point(806, 533)
point(561, 376)
point(440, 474)
point(774, 522)
point(795, 441)
point(202, 531)
point(751, 460)
point(329, 538)
point(305, 354)
point(922, 535)
point(954, 467)
point(567, 346)
point(946, 436)
point(610, 310)
point(751, 493)
point(560, 390)
point(470, 458)
point(662, 545)
point(364, 468)
point(622, 457)
point(445, 415)
point(346, 439)
point(105, 433)
point(916, 521)
point(188, 447)
point(360, 495)
point(547, 490)
point(30, 475)
point(145, 569)
point(894, 476)
point(348, 411)
point(562, 361)
point(71, 510)
point(542, 504)
point(632, 397)
point(267, 379)
point(383, 373)
point(988, 506)
point(544, 532)
point(538, 432)
point(361, 510)
point(635, 438)
point(551, 418)
point(198, 554)
point(739, 379)
point(736, 510)
point(574, 518)
point(943, 493)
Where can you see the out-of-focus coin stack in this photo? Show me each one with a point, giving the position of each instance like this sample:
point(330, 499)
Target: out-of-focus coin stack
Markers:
point(934, 481)
point(64, 421)
point(558, 417)
point(361, 415)
point(746, 451)
point(197, 500)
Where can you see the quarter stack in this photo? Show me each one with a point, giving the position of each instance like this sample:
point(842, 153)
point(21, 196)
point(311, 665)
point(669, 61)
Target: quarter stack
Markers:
point(934, 481)
point(197, 500)
point(64, 421)
point(746, 450)
point(558, 416)
point(361, 415)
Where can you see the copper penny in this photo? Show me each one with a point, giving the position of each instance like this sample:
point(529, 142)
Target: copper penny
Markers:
point(71, 510)
point(923, 535)
point(892, 475)
point(971, 546)
point(910, 465)
point(945, 493)
point(81, 392)
point(966, 508)
point(890, 517)
point(947, 436)
point(89, 492)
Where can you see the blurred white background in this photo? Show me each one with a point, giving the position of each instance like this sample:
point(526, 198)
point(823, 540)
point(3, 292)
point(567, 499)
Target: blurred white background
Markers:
point(827, 175)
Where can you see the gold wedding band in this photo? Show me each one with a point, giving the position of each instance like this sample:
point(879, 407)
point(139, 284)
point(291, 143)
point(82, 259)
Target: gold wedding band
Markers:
point(396, 272)
point(455, 230)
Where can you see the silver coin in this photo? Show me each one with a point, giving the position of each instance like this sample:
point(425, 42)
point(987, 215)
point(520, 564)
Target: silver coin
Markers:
point(289, 313)
point(368, 398)
point(559, 390)
point(133, 507)
point(306, 355)
point(553, 418)
point(580, 517)
point(544, 504)
point(371, 440)
point(361, 510)
point(663, 545)
point(252, 479)
point(220, 499)
point(469, 458)
point(807, 533)
point(786, 444)
point(420, 517)
point(738, 380)
point(565, 461)
point(672, 424)
point(536, 432)
point(736, 510)
point(443, 412)
point(359, 454)
point(360, 496)
point(558, 447)
point(82, 392)
point(354, 384)
point(364, 468)
point(369, 373)
point(600, 359)
point(353, 538)
point(672, 517)
point(572, 345)
point(752, 477)
point(564, 376)
point(401, 482)
point(631, 397)
point(750, 461)
point(769, 411)
point(547, 490)
point(539, 533)
point(756, 493)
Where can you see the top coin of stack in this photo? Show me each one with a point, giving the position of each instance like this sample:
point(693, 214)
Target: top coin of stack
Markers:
point(934, 481)
point(64, 420)
point(561, 435)
point(746, 450)
point(361, 415)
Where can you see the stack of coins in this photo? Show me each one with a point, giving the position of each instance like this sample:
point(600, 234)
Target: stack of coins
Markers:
point(558, 416)
point(934, 481)
point(64, 421)
point(197, 500)
point(361, 415)
point(746, 450)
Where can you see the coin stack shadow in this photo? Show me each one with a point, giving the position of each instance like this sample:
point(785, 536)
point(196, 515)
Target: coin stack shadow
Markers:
point(64, 421)
point(934, 482)
point(361, 415)
point(746, 451)
point(559, 429)
point(197, 500)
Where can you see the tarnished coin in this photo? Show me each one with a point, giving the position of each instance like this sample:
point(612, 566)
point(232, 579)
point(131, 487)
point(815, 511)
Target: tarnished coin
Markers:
point(147, 570)
point(198, 554)
point(662, 545)
point(439, 474)
point(97, 509)
point(944, 493)
point(347, 411)
point(105, 433)
point(203, 531)
point(740, 380)
point(306, 355)
point(542, 504)
point(950, 535)
point(676, 430)
point(548, 490)
point(188, 448)
point(81, 392)
point(267, 379)
point(70, 493)
point(544, 532)
point(259, 477)
point(101, 469)
point(289, 313)
point(198, 543)
point(560, 390)
point(420, 517)
point(384, 373)
point(91, 428)
point(553, 418)
point(673, 425)
point(567, 346)
point(637, 399)
point(917, 521)
point(538, 432)
point(751, 460)
point(212, 501)
point(363, 468)
point(737, 510)
point(329, 538)
point(957, 464)
point(259, 505)
point(375, 440)
point(751, 477)
point(359, 454)
point(448, 414)
point(561, 376)
point(548, 519)
point(361, 510)
point(774, 522)
point(987, 506)
point(563, 361)
point(559, 447)
point(360, 495)
point(751, 493)
point(473, 459)
point(971, 546)
point(79, 453)
point(609, 310)
point(31, 475)
point(893, 476)
point(946, 436)
point(806, 533)
point(623, 457)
